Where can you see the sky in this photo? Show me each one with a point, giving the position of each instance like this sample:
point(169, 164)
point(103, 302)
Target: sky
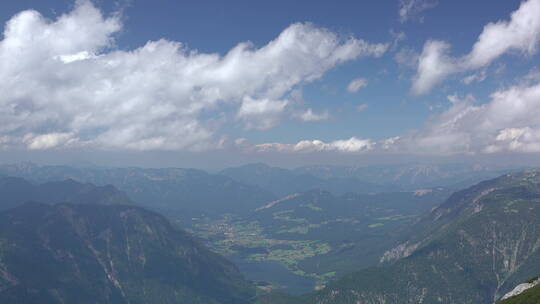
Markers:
point(217, 83)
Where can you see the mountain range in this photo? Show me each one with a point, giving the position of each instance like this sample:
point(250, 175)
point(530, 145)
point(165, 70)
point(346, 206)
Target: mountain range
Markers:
point(401, 243)
point(473, 248)
point(14, 191)
point(368, 179)
point(185, 192)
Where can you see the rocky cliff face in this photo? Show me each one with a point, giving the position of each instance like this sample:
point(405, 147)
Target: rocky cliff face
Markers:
point(521, 288)
point(70, 253)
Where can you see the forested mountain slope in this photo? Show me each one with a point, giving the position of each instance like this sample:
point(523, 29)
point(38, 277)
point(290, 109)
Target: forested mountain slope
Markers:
point(478, 245)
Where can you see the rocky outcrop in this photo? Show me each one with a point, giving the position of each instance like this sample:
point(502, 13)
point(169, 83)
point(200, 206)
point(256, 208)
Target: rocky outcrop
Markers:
point(521, 288)
point(401, 251)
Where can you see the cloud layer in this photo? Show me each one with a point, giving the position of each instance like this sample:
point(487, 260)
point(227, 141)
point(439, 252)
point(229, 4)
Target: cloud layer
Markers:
point(508, 122)
point(351, 145)
point(66, 84)
point(520, 34)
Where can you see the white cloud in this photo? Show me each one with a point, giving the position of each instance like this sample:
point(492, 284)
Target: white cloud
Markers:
point(240, 141)
point(47, 141)
point(433, 66)
point(362, 107)
point(508, 122)
point(309, 115)
point(75, 57)
point(521, 34)
point(65, 76)
point(261, 114)
point(409, 9)
point(351, 145)
point(516, 139)
point(476, 77)
point(389, 143)
point(356, 84)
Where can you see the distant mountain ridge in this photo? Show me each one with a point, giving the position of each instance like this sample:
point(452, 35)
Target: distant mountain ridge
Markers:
point(284, 182)
point(240, 190)
point(14, 191)
point(412, 176)
point(188, 192)
point(371, 179)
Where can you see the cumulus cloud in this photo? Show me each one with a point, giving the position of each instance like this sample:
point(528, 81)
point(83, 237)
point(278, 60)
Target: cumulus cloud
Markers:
point(47, 141)
point(389, 143)
point(507, 123)
point(356, 84)
point(309, 115)
point(433, 66)
point(516, 139)
point(520, 34)
point(409, 9)
point(65, 83)
point(261, 114)
point(351, 145)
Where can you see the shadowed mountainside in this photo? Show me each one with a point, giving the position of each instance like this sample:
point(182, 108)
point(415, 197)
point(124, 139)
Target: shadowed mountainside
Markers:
point(69, 253)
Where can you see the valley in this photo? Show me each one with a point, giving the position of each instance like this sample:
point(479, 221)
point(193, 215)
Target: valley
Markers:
point(315, 234)
point(473, 248)
point(303, 245)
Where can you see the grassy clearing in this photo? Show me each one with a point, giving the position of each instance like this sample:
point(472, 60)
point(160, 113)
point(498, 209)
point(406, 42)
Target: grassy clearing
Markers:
point(225, 235)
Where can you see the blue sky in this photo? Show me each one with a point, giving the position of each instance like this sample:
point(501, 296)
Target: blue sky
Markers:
point(267, 81)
